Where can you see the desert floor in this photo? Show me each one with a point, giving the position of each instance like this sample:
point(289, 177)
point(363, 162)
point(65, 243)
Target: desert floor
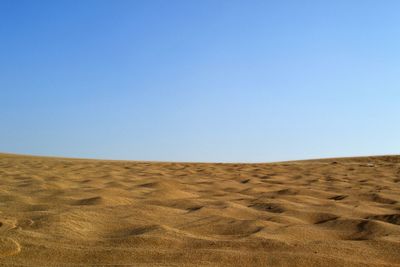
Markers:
point(75, 212)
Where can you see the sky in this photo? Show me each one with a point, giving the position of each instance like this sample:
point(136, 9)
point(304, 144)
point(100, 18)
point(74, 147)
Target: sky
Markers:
point(200, 80)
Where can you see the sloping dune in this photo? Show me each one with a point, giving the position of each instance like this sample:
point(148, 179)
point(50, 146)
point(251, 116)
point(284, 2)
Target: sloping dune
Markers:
point(332, 212)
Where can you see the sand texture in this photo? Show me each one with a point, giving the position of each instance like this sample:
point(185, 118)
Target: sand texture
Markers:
point(75, 212)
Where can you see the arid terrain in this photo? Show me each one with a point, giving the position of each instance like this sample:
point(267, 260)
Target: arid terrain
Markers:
point(77, 212)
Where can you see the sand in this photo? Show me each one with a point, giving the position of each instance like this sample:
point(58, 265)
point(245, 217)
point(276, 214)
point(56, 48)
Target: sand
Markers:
point(76, 212)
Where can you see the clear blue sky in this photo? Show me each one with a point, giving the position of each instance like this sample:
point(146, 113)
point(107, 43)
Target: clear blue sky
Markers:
point(200, 80)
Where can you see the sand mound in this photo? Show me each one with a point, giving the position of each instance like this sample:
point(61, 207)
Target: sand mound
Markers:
point(331, 212)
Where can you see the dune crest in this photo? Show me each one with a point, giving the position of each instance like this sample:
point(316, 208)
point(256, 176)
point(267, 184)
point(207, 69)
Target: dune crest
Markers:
point(330, 212)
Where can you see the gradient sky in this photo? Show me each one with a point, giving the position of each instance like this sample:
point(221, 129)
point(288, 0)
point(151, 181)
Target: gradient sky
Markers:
point(200, 80)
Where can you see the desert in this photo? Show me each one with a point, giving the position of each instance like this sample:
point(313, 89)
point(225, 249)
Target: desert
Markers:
point(80, 212)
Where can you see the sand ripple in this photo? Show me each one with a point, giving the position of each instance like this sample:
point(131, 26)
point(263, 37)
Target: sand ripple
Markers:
point(336, 212)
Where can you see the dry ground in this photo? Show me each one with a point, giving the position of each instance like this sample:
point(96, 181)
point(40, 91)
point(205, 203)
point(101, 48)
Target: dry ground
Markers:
point(73, 212)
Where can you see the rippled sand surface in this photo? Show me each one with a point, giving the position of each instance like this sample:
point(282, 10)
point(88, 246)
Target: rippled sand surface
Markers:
point(74, 212)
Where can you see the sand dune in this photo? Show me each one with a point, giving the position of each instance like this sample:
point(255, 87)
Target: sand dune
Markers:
point(332, 212)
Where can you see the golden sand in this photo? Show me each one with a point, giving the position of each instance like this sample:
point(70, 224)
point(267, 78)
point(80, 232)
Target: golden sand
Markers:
point(333, 212)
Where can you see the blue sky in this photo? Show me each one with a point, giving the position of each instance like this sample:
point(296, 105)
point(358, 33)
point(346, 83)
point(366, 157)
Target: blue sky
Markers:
point(199, 80)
